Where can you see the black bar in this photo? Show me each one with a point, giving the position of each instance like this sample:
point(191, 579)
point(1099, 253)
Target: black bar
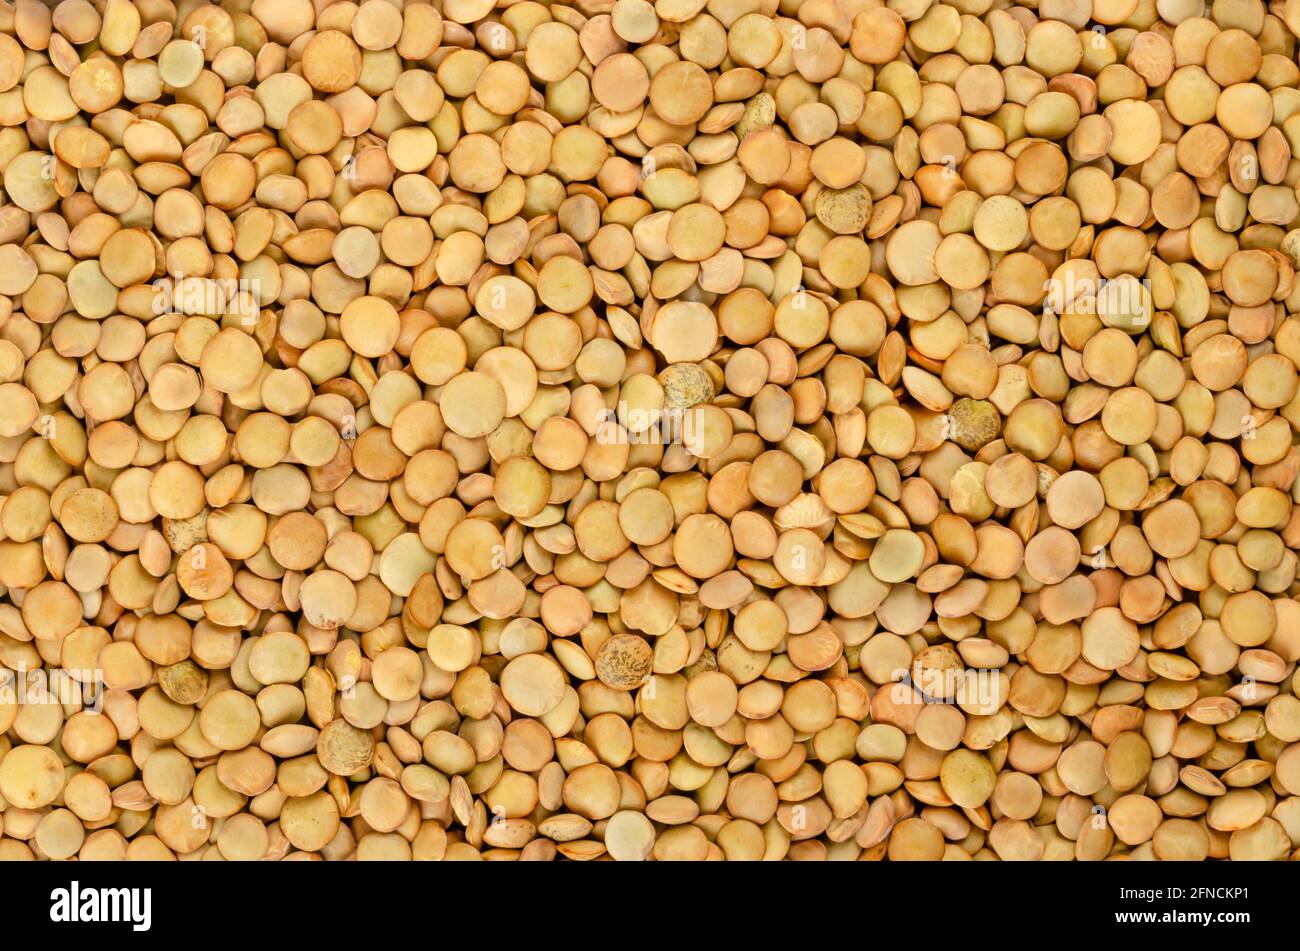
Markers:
point(203, 901)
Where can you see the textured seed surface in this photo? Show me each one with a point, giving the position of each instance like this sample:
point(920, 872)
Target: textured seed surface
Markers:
point(641, 430)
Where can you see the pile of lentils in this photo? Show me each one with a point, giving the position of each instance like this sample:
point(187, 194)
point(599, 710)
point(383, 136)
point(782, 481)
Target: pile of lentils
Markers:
point(675, 430)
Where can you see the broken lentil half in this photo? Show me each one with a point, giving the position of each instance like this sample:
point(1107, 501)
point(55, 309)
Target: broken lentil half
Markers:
point(750, 429)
